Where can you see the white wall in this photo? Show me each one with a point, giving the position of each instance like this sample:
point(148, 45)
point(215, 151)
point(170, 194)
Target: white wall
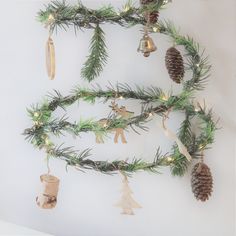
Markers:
point(86, 201)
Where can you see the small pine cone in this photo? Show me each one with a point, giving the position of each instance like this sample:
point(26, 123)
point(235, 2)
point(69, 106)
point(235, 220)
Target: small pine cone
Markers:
point(174, 64)
point(152, 17)
point(202, 182)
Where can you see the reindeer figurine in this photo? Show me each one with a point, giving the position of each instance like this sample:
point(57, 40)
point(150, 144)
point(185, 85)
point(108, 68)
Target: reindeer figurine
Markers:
point(119, 132)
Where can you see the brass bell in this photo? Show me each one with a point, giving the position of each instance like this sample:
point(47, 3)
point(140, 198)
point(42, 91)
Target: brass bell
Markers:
point(146, 45)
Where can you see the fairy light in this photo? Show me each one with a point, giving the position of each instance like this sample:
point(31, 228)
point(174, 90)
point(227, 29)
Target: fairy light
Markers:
point(164, 97)
point(36, 114)
point(201, 146)
point(47, 141)
point(155, 29)
point(121, 97)
point(169, 159)
point(51, 18)
point(127, 8)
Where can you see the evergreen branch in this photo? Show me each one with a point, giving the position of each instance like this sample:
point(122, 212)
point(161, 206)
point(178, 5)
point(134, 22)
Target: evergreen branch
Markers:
point(81, 162)
point(98, 56)
point(79, 16)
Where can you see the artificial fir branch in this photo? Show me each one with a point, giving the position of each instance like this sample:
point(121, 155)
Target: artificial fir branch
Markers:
point(98, 56)
point(80, 16)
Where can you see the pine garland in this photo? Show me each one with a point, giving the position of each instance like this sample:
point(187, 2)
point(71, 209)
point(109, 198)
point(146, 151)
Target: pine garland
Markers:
point(81, 17)
point(45, 125)
point(153, 100)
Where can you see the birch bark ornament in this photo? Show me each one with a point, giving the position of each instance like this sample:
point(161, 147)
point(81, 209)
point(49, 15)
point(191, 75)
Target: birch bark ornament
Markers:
point(171, 135)
point(50, 58)
point(127, 203)
point(50, 51)
point(47, 199)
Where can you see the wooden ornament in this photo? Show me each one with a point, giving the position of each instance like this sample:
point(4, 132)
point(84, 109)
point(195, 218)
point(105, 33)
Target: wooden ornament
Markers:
point(50, 58)
point(127, 203)
point(47, 199)
point(119, 133)
point(121, 112)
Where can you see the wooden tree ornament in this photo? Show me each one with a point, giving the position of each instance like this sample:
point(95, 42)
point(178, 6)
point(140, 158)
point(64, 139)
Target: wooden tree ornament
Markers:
point(127, 203)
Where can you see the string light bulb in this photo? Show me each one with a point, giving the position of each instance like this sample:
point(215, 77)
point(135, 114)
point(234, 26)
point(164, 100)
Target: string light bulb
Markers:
point(36, 114)
point(127, 8)
point(155, 29)
point(201, 146)
point(170, 159)
point(47, 141)
point(164, 97)
point(51, 18)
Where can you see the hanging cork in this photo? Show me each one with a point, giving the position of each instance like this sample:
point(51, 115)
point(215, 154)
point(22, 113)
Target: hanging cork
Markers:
point(47, 199)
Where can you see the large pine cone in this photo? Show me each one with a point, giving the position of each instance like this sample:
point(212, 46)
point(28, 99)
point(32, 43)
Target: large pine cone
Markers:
point(151, 17)
point(174, 64)
point(202, 182)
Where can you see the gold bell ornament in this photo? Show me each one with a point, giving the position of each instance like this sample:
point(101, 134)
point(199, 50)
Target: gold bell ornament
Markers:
point(146, 45)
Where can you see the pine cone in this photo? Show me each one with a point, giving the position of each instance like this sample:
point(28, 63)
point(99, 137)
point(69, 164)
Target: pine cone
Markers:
point(174, 64)
point(151, 17)
point(202, 182)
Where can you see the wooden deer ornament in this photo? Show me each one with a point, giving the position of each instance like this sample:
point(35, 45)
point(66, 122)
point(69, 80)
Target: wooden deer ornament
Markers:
point(119, 132)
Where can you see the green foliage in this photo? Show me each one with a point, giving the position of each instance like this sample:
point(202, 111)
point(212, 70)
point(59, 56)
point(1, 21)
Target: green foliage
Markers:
point(79, 16)
point(98, 56)
point(153, 100)
point(152, 103)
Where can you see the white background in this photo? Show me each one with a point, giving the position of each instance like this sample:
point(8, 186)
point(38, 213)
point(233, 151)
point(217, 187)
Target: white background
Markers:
point(85, 202)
